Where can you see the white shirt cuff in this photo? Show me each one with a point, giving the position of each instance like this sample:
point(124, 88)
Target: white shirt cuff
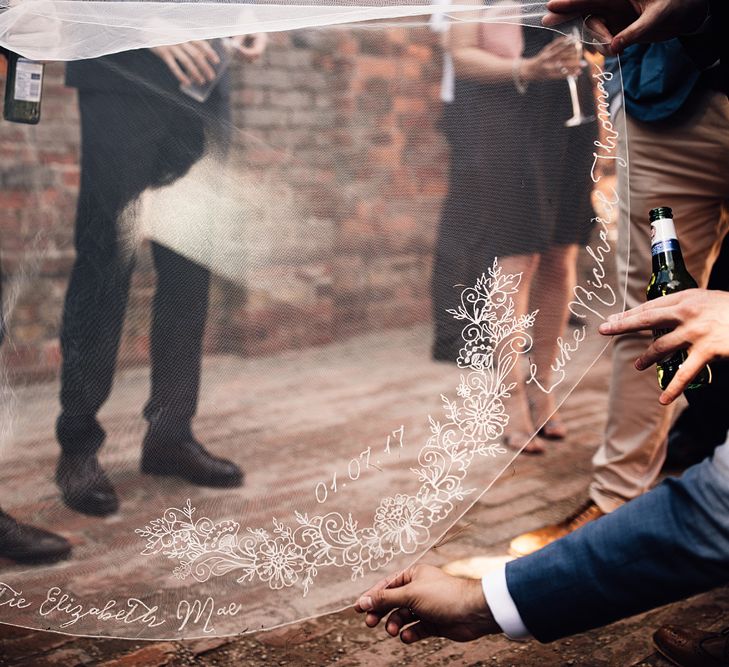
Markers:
point(502, 604)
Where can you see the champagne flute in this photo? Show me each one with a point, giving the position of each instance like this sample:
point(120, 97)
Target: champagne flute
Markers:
point(578, 118)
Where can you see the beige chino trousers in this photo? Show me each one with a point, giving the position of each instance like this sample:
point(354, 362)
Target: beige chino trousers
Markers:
point(685, 166)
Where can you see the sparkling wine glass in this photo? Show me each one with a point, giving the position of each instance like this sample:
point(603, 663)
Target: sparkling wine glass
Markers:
point(578, 118)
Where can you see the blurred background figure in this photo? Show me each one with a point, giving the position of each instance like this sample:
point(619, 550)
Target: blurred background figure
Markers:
point(519, 189)
point(139, 131)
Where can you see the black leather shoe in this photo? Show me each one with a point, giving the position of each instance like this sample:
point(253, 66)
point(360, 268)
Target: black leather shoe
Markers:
point(27, 544)
point(85, 486)
point(188, 459)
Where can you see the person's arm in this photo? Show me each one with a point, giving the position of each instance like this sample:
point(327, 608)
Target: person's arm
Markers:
point(558, 59)
point(621, 23)
point(700, 322)
point(666, 545)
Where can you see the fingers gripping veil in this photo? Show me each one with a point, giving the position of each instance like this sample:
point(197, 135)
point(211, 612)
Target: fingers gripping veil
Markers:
point(286, 287)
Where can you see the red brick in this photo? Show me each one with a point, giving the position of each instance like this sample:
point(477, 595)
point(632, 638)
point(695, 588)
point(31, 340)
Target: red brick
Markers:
point(368, 67)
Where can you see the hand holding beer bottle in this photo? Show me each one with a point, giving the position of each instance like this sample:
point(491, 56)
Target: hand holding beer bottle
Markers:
point(698, 320)
point(669, 276)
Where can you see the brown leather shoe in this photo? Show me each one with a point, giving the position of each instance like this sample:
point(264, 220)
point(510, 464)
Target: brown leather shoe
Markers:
point(536, 539)
point(689, 647)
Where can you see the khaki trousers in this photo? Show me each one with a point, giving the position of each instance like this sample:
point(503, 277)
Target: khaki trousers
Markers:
point(685, 166)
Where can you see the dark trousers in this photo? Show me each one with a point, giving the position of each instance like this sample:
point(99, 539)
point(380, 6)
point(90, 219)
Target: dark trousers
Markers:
point(131, 143)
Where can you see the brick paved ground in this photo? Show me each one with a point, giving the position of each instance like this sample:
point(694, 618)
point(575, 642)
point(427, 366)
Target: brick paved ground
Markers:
point(532, 492)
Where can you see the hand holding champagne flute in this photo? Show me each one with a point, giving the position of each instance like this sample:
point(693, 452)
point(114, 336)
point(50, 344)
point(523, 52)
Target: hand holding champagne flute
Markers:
point(578, 118)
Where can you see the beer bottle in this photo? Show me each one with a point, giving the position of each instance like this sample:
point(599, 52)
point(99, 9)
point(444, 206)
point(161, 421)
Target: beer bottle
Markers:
point(23, 88)
point(669, 276)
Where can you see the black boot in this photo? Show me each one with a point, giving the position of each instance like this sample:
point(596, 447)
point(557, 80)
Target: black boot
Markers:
point(27, 544)
point(187, 458)
point(82, 481)
point(85, 486)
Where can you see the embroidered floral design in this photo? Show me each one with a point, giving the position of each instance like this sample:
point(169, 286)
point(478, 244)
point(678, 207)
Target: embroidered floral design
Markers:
point(280, 561)
point(494, 337)
point(401, 523)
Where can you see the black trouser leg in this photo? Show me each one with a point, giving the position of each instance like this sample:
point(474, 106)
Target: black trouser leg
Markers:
point(115, 167)
point(130, 142)
point(178, 325)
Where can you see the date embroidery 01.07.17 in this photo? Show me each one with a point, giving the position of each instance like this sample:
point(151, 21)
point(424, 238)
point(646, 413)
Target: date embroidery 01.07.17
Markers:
point(494, 337)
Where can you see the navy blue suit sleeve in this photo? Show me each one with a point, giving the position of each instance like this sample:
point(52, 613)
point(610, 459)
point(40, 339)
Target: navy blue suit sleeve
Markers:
point(668, 544)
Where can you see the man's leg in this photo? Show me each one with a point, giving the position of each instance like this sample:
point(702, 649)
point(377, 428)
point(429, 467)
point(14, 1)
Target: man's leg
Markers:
point(178, 322)
point(114, 167)
point(179, 312)
point(685, 169)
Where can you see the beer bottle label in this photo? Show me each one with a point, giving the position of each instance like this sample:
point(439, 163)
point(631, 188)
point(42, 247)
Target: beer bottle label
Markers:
point(28, 80)
point(669, 245)
point(663, 236)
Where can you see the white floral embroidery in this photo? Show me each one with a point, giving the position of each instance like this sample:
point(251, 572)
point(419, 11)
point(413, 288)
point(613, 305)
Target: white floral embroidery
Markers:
point(494, 337)
point(401, 523)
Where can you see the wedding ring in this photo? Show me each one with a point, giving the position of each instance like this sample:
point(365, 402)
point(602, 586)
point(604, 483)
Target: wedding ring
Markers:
point(563, 70)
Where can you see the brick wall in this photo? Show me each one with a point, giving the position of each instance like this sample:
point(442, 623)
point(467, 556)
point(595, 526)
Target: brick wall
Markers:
point(338, 158)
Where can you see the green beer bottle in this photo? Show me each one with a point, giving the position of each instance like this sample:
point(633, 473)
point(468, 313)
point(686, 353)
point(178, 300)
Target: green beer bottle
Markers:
point(23, 89)
point(669, 276)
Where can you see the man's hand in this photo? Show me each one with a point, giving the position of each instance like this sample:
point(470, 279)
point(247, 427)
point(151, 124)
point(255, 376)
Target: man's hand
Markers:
point(621, 23)
point(701, 321)
point(252, 46)
point(430, 603)
point(191, 61)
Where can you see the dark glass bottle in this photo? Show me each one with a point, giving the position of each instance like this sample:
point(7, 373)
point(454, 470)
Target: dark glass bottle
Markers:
point(669, 275)
point(23, 89)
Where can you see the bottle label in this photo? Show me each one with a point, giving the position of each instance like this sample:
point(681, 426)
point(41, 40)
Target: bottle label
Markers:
point(669, 245)
point(663, 236)
point(28, 81)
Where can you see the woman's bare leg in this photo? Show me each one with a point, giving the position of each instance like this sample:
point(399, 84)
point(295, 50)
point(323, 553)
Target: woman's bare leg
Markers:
point(551, 293)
